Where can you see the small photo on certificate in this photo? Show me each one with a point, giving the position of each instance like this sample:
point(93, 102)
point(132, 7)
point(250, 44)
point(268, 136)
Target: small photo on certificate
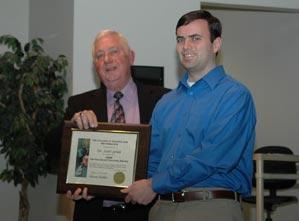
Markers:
point(82, 157)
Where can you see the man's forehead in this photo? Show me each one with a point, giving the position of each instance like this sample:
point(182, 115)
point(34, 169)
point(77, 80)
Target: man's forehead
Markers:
point(109, 40)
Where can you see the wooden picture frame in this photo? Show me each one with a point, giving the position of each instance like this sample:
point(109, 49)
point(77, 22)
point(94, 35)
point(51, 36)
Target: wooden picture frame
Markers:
point(105, 159)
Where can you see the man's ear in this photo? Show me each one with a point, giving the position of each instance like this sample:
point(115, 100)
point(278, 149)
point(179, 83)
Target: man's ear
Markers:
point(217, 44)
point(132, 56)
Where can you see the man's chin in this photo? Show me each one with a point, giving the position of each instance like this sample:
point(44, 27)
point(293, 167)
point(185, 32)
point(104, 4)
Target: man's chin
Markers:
point(112, 84)
point(188, 66)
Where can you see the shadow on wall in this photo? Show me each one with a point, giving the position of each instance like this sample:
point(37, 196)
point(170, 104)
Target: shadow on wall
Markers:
point(65, 207)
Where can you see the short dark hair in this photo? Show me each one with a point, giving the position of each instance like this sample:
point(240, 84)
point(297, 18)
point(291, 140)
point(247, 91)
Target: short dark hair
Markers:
point(214, 23)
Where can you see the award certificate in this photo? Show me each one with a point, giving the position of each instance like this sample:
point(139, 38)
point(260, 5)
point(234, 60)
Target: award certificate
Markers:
point(105, 159)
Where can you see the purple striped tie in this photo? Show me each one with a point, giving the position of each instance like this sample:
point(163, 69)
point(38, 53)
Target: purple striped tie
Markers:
point(118, 115)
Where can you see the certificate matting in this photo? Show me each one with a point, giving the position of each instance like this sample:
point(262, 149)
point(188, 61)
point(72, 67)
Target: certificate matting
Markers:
point(104, 159)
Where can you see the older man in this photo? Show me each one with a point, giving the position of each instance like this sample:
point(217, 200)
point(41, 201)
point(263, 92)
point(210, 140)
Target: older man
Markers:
point(112, 59)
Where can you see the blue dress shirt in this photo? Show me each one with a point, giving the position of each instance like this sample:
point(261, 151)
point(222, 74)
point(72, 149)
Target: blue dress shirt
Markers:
point(203, 136)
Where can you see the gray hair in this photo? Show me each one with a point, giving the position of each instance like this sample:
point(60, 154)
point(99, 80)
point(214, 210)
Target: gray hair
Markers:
point(106, 32)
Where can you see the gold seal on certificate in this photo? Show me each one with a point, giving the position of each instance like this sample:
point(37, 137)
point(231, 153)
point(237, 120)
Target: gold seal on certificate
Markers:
point(119, 177)
point(103, 159)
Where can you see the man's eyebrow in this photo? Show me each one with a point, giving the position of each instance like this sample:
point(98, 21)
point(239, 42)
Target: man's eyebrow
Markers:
point(189, 36)
point(194, 35)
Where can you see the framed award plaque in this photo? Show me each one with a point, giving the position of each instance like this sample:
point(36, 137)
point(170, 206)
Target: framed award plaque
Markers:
point(105, 159)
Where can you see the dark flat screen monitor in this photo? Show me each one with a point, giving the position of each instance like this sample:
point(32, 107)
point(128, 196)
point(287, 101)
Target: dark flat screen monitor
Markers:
point(153, 75)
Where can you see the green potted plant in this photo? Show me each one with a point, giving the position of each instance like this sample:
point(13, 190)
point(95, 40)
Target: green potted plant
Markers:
point(32, 86)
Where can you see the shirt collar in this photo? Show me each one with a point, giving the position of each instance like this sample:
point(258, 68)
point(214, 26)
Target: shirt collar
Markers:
point(211, 78)
point(128, 91)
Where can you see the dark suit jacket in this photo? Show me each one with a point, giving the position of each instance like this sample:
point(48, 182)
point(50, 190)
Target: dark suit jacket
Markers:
point(96, 100)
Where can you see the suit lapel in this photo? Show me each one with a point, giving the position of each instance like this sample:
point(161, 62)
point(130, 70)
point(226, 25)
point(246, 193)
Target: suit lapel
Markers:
point(143, 104)
point(100, 106)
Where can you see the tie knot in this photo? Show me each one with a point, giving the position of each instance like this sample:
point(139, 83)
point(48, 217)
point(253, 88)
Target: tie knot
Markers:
point(118, 95)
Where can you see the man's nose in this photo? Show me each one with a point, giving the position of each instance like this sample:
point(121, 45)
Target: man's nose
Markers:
point(186, 44)
point(108, 57)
